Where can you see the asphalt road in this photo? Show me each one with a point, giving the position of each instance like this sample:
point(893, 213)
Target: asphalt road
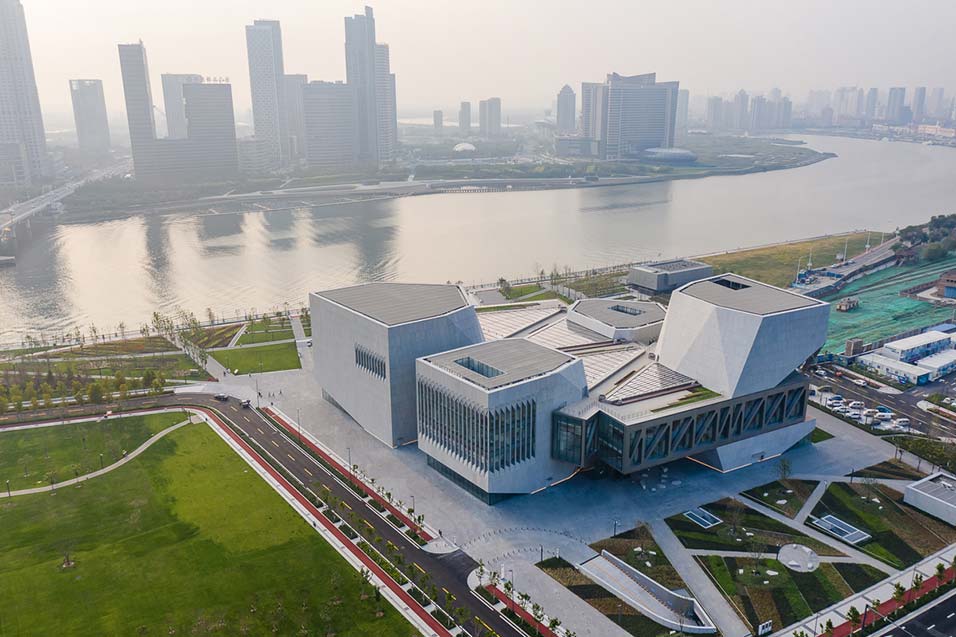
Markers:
point(938, 621)
point(448, 572)
point(902, 405)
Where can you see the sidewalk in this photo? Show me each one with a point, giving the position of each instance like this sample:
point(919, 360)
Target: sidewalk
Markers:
point(709, 596)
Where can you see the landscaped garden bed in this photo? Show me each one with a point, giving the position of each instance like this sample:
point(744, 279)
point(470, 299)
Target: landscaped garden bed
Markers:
point(637, 548)
point(786, 496)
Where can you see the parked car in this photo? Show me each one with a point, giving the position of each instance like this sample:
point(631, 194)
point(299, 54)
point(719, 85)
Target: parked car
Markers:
point(869, 413)
point(856, 404)
point(826, 389)
point(947, 401)
point(883, 416)
point(222, 397)
point(820, 373)
point(853, 413)
point(884, 409)
point(902, 422)
point(840, 409)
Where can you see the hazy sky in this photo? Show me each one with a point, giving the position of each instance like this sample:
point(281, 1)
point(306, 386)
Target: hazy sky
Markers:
point(447, 51)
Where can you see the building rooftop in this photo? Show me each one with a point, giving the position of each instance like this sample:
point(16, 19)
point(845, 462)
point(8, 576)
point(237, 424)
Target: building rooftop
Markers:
point(495, 364)
point(892, 363)
point(397, 303)
point(505, 323)
point(940, 486)
point(655, 379)
point(918, 340)
point(938, 360)
point(621, 314)
point(563, 334)
point(673, 265)
point(746, 295)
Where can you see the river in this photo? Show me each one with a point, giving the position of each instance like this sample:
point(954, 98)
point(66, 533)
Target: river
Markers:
point(123, 270)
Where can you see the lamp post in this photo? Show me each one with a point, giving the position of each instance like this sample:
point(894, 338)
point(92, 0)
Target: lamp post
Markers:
point(413, 502)
point(348, 450)
point(298, 421)
point(511, 578)
point(615, 528)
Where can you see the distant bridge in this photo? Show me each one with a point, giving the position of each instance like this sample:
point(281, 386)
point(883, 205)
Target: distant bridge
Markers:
point(22, 211)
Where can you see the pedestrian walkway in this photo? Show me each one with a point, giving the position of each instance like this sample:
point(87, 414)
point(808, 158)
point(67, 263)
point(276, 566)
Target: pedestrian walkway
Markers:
point(238, 335)
point(720, 611)
point(95, 474)
point(811, 502)
point(857, 555)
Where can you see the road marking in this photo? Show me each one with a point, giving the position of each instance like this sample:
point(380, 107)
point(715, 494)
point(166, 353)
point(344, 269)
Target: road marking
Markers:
point(307, 471)
point(415, 564)
point(346, 504)
point(260, 431)
point(951, 615)
point(289, 456)
point(931, 627)
point(246, 418)
point(274, 442)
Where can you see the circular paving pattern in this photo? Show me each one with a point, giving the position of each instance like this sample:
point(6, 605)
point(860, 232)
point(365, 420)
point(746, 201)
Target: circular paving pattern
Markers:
point(799, 558)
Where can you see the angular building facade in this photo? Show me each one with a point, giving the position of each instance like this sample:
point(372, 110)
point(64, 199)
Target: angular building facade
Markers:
point(367, 338)
point(484, 414)
point(267, 82)
point(89, 115)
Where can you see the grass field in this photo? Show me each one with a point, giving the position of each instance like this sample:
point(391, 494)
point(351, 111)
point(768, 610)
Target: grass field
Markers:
point(901, 535)
point(185, 540)
point(178, 366)
point(777, 265)
point(519, 290)
point(547, 295)
point(600, 284)
point(29, 457)
point(637, 548)
point(753, 530)
point(266, 336)
point(939, 453)
point(819, 435)
point(891, 470)
point(219, 335)
point(793, 494)
point(785, 596)
point(114, 348)
point(601, 599)
point(265, 358)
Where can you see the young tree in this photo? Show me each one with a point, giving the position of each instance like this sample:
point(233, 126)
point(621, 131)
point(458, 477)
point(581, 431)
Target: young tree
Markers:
point(784, 469)
point(940, 574)
point(853, 615)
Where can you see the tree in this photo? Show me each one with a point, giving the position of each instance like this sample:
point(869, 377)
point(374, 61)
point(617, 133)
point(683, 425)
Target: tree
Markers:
point(95, 392)
point(828, 628)
point(853, 615)
point(784, 469)
point(899, 594)
point(504, 286)
point(735, 516)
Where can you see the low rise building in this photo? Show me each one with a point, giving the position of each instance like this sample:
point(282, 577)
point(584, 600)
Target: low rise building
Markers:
point(913, 348)
point(895, 369)
point(935, 494)
point(662, 277)
point(946, 285)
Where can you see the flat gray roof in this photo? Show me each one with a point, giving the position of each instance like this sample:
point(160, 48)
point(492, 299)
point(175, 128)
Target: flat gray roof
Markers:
point(739, 293)
point(941, 487)
point(494, 364)
point(674, 265)
point(397, 303)
point(621, 314)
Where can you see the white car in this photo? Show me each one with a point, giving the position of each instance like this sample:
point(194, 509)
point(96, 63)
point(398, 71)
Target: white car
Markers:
point(834, 403)
point(870, 413)
point(883, 416)
point(840, 409)
point(947, 401)
point(902, 422)
point(853, 413)
point(820, 373)
point(860, 382)
point(856, 404)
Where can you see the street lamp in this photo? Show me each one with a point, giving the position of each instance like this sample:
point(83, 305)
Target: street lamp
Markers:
point(298, 421)
point(348, 450)
point(413, 502)
point(615, 528)
point(511, 578)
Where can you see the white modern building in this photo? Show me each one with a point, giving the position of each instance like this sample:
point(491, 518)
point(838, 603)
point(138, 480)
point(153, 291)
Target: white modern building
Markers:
point(367, 338)
point(916, 359)
point(484, 414)
point(935, 494)
point(619, 320)
point(509, 402)
point(662, 277)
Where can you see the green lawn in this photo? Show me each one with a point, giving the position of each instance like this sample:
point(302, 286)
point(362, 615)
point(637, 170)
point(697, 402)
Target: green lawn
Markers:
point(819, 435)
point(786, 596)
point(184, 540)
point(767, 534)
point(219, 335)
point(890, 470)
point(792, 493)
point(113, 348)
point(939, 453)
point(265, 336)
point(777, 265)
point(600, 284)
point(901, 535)
point(265, 358)
point(638, 548)
point(519, 290)
point(169, 365)
point(548, 295)
point(65, 451)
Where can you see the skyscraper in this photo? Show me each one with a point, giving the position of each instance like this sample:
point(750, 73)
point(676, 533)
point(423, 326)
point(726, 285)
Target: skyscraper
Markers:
point(266, 80)
point(330, 119)
point(919, 104)
point(21, 122)
point(894, 105)
point(683, 105)
point(641, 114)
point(741, 110)
point(386, 111)
point(593, 107)
point(489, 117)
point(464, 119)
point(935, 107)
point(207, 153)
point(89, 114)
point(293, 85)
point(209, 149)
point(715, 115)
point(438, 122)
point(566, 110)
point(872, 103)
point(139, 102)
point(173, 102)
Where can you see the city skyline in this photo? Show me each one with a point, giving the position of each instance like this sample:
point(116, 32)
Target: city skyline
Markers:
point(313, 45)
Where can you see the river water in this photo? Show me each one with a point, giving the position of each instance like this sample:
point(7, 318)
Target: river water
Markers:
point(123, 270)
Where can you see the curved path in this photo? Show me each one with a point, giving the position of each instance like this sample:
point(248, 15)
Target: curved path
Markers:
point(143, 447)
